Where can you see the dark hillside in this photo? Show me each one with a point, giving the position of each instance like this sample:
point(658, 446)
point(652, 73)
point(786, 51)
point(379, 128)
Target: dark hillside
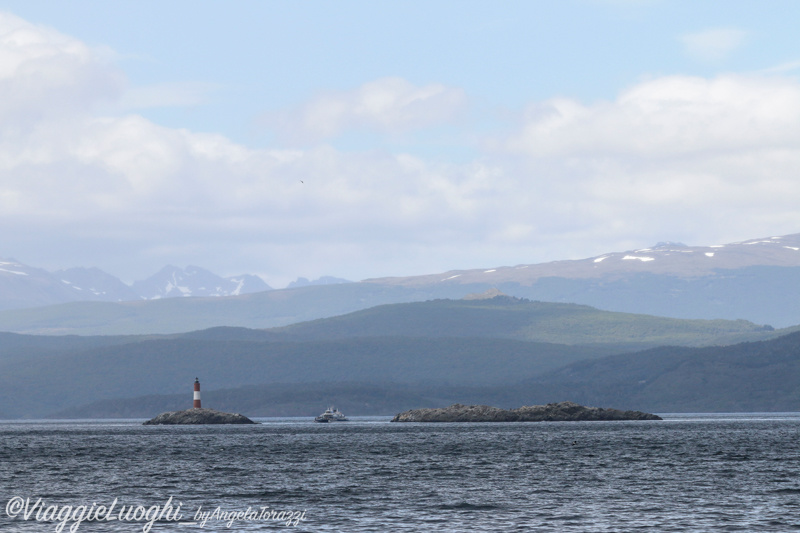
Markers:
point(751, 376)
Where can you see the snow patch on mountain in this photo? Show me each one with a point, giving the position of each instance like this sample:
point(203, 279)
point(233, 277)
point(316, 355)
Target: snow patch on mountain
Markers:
point(12, 267)
point(16, 272)
point(174, 282)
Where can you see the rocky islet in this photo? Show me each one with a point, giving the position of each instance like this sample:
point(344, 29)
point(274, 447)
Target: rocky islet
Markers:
point(552, 412)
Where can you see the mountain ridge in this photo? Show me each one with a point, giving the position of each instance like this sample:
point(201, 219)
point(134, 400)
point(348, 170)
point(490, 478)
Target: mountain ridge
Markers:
point(752, 280)
point(23, 286)
point(670, 258)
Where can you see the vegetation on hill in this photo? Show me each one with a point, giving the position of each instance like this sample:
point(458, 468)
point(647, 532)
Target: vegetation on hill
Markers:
point(516, 318)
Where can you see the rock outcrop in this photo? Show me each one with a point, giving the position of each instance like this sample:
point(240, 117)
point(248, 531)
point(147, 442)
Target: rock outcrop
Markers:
point(552, 412)
point(198, 416)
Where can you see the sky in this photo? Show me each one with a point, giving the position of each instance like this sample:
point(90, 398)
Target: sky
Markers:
point(364, 139)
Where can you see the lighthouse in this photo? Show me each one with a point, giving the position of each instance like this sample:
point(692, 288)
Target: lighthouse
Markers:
point(196, 393)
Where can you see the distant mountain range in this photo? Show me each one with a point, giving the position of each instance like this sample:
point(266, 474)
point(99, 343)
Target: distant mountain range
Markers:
point(754, 280)
point(23, 286)
point(665, 258)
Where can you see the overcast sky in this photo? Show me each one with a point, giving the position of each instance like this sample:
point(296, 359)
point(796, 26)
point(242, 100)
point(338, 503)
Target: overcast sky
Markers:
point(369, 139)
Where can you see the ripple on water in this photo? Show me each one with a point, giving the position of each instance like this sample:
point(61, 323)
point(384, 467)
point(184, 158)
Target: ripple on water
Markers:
point(692, 475)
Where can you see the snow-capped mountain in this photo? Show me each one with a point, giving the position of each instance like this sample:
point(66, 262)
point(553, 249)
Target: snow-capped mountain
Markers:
point(23, 286)
point(172, 282)
point(665, 258)
point(755, 279)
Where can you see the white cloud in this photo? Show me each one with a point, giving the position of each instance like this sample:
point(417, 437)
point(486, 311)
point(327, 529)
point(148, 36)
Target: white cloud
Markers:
point(43, 72)
point(674, 158)
point(689, 155)
point(713, 44)
point(668, 117)
point(387, 105)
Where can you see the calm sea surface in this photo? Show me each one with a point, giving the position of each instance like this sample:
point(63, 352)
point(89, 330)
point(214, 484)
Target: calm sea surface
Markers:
point(686, 473)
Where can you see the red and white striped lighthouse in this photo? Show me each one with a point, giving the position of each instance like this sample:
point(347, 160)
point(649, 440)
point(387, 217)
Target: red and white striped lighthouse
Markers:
point(196, 393)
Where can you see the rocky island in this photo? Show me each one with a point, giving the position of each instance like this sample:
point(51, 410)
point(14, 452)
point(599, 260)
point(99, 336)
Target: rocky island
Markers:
point(198, 415)
point(552, 412)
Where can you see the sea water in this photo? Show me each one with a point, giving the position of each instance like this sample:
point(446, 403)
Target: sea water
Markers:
point(685, 473)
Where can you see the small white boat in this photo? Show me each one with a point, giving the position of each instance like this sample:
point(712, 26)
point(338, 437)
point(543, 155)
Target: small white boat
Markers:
point(331, 414)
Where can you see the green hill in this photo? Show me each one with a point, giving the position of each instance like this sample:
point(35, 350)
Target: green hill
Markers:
point(515, 318)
